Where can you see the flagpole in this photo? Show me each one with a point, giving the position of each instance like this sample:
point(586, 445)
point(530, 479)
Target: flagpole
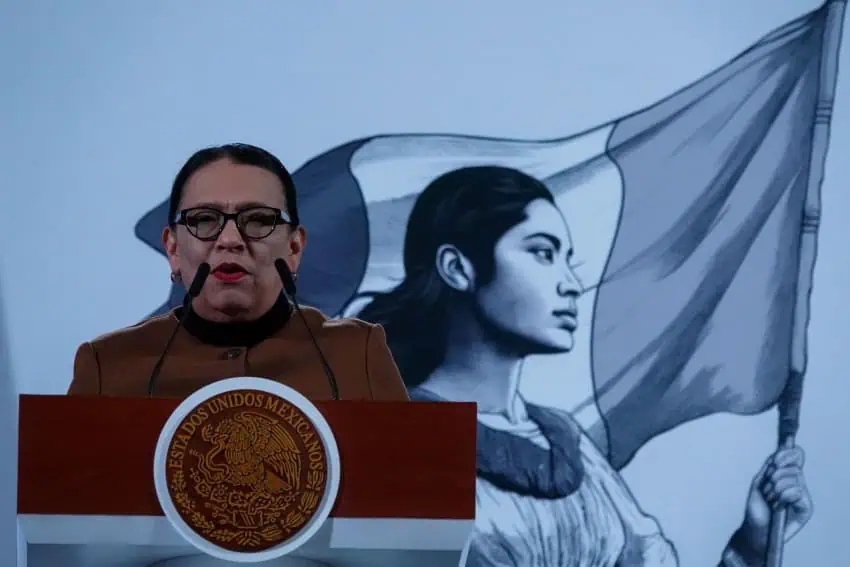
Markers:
point(789, 404)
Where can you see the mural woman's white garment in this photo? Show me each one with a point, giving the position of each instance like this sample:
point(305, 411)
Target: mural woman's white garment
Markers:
point(599, 525)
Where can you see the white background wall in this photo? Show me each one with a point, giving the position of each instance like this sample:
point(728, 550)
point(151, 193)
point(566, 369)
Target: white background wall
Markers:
point(101, 101)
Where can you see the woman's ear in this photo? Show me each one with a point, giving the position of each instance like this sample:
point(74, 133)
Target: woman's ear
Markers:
point(295, 247)
point(169, 243)
point(455, 268)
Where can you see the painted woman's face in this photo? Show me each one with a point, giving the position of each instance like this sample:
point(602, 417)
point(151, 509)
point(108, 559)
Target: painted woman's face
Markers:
point(534, 289)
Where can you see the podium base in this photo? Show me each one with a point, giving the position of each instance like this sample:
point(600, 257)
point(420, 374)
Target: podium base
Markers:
point(207, 561)
point(145, 541)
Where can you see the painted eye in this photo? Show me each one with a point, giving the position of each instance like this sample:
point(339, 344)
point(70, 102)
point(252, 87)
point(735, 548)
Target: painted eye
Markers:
point(544, 254)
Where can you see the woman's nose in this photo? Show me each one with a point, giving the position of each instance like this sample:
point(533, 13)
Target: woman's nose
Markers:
point(230, 235)
point(570, 285)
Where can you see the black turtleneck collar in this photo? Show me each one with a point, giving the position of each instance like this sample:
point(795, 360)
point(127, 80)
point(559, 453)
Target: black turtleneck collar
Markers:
point(246, 334)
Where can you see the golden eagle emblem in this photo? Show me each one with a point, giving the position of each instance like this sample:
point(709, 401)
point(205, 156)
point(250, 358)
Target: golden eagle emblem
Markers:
point(257, 453)
point(249, 470)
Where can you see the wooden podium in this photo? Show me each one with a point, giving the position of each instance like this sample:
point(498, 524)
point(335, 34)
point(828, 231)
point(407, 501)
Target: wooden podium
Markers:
point(86, 494)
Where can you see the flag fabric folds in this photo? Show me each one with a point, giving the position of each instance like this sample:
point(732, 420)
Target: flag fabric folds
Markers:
point(696, 312)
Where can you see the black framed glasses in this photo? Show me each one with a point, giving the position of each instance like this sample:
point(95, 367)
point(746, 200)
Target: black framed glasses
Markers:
point(254, 223)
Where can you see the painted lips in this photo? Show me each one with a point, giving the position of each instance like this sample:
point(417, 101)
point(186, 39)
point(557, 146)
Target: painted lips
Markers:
point(229, 277)
point(568, 319)
point(229, 272)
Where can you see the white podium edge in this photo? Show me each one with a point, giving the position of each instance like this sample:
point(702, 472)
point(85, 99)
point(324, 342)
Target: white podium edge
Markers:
point(336, 534)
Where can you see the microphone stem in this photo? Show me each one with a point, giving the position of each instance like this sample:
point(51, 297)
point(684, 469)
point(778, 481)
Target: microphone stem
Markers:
point(327, 367)
point(288, 281)
point(187, 305)
point(194, 291)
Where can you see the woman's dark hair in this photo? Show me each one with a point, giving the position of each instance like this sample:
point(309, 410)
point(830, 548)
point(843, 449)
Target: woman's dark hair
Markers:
point(243, 154)
point(470, 208)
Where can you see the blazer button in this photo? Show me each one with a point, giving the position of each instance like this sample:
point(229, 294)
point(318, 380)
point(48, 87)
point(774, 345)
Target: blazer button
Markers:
point(232, 354)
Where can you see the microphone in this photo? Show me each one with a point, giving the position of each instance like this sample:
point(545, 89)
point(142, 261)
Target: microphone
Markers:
point(194, 291)
point(289, 289)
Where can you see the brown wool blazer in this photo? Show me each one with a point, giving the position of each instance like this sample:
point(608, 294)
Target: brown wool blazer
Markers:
point(120, 363)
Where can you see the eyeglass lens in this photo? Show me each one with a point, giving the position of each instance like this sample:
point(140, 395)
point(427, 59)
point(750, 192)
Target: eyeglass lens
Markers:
point(252, 223)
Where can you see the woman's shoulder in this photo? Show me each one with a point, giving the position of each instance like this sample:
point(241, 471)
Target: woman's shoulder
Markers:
point(338, 324)
point(150, 330)
point(593, 441)
point(334, 328)
point(357, 343)
point(114, 357)
point(343, 334)
point(562, 418)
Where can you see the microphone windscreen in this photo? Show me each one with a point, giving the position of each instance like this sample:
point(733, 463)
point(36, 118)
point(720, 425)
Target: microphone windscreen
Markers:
point(199, 279)
point(285, 276)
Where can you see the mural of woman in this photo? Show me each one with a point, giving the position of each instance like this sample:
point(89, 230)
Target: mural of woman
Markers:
point(489, 282)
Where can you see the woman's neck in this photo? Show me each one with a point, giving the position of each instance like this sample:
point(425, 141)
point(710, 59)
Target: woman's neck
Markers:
point(238, 333)
point(233, 313)
point(476, 369)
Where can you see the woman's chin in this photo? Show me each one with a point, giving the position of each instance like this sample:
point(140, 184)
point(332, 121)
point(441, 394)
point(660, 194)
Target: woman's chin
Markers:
point(557, 341)
point(230, 303)
point(234, 298)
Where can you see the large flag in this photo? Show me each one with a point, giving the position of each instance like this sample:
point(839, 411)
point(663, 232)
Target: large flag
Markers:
point(686, 218)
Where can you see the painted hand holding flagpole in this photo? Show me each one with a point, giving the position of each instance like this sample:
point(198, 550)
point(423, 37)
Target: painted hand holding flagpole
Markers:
point(778, 493)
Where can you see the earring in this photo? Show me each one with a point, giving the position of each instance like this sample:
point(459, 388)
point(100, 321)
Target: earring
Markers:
point(175, 277)
point(294, 276)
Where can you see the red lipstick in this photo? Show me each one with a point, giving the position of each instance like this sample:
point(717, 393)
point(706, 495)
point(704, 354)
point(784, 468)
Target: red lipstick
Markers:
point(229, 272)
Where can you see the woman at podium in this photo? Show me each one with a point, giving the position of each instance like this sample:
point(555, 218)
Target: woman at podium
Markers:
point(234, 239)
point(489, 281)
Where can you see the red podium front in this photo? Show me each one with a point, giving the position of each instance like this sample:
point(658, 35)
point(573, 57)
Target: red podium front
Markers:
point(86, 495)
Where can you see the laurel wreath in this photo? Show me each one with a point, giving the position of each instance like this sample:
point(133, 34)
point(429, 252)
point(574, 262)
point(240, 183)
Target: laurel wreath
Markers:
point(248, 538)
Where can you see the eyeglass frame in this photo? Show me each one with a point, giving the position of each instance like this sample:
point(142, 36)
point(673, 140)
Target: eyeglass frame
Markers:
point(282, 218)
